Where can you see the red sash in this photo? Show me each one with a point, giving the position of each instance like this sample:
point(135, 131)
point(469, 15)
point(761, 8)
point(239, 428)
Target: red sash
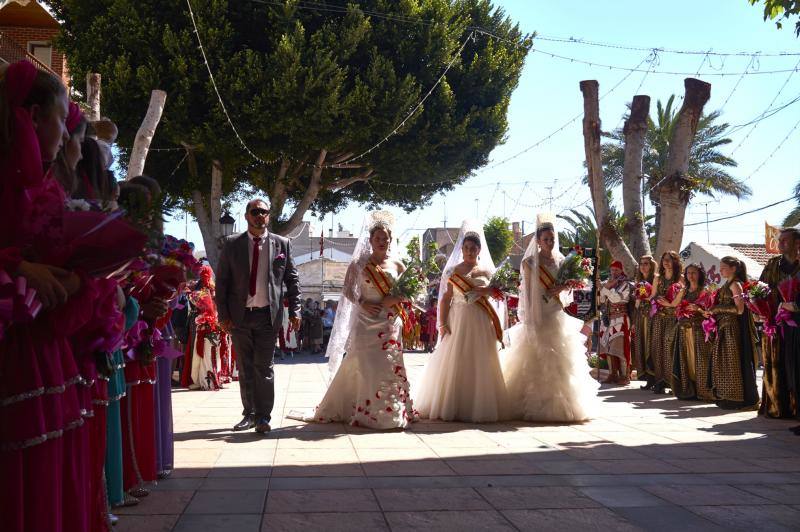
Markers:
point(464, 286)
point(546, 278)
point(383, 283)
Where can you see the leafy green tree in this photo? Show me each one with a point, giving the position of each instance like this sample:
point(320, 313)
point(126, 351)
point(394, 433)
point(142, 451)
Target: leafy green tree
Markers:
point(311, 88)
point(499, 238)
point(780, 9)
point(793, 218)
point(708, 166)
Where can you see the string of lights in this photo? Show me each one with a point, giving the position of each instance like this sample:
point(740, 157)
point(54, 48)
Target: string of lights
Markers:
point(664, 72)
point(568, 123)
point(774, 151)
point(753, 59)
point(573, 40)
point(742, 213)
point(763, 114)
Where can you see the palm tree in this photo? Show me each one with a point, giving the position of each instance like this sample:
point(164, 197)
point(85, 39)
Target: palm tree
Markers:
point(793, 218)
point(707, 165)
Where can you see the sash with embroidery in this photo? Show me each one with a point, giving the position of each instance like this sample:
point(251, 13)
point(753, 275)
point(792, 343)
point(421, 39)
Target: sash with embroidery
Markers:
point(463, 286)
point(383, 283)
point(548, 281)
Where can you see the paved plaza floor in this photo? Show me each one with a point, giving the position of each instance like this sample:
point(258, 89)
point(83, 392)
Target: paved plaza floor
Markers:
point(647, 462)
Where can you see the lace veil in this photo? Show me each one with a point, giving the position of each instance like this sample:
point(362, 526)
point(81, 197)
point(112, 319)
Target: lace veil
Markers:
point(347, 310)
point(485, 261)
point(531, 292)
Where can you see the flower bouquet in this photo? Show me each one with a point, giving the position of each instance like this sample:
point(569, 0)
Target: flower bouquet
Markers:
point(642, 290)
point(706, 301)
point(672, 293)
point(574, 271)
point(411, 283)
point(756, 295)
point(789, 289)
point(504, 281)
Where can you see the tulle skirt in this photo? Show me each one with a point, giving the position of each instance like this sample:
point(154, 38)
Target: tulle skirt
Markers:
point(462, 380)
point(547, 373)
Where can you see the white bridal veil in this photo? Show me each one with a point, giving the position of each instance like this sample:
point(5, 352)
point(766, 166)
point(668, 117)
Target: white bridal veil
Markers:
point(347, 310)
point(531, 292)
point(485, 261)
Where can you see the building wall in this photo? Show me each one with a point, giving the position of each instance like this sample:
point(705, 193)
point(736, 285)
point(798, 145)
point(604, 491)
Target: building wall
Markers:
point(311, 278)
point(24, 35)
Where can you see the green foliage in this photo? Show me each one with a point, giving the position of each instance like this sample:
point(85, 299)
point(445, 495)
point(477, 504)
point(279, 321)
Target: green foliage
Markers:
point(793, 218)
point(707, 165)
point(499, 238)
point(297, 80)
point(780, 9)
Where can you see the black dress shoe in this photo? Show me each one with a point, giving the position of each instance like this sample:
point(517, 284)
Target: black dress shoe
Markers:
point(660, 388)
point(262, 425)
point(247, 422)
point(648, 386)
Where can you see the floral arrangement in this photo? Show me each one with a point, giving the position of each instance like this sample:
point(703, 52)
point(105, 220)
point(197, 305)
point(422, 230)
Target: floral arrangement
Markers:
point(504, 281)
point(642, 290)
point(789, 289)
point(756, 295)
point(672, 293)
point(575, 270)
point(413, 281)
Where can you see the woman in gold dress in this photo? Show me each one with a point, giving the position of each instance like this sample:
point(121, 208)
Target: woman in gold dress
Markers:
point(692, 354)
point(732, 361)
point(664, 325)
point(641, 325)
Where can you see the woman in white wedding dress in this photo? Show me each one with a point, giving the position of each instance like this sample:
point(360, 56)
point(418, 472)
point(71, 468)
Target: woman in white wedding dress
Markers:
point(462, 380)
point(545, 367)
point(369, 386)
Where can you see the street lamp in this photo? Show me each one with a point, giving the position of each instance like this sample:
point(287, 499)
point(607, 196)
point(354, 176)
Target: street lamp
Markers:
point(226, 224)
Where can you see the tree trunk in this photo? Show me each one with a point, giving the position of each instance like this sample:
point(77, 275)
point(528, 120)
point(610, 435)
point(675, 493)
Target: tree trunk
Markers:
point(314, 187)
point(93, 96)
point(673, 194)
point(591, 140)
point(207, 211)
point(145, 134)
point(635, 131)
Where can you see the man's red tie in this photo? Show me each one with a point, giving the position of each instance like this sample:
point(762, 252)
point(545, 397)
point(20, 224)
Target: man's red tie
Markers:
point(254, 266)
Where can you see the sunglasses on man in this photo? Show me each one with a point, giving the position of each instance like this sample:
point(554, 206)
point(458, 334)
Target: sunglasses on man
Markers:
point(258, 212)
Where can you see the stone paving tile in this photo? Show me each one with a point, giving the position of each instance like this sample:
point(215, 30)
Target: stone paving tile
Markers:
point(191, 470)
point(781, 493)
point(777, 464)
point(333, 522)
point(667, 519)
point(430, 499)
point(623, 497)
point(218, 523)
point(239, 471)
point(318, 470)
point(163, 502)
point(712, 495)
point(772, 517)
point(348, 500)
point(173, 483)
point(493, 467)
point(234, 483)
point(416, 468)
point(536, 498)
point(620, 467)
point(568, 520)
point(306, 483)
point(566, 467)
point(460, 520)
point(150, 523)
point(227, 502)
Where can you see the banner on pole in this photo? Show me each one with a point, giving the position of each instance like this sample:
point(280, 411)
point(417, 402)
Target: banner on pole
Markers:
point(771, 234)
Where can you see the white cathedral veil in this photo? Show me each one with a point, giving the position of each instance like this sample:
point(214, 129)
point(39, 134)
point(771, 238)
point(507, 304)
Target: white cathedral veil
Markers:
point(347, 310)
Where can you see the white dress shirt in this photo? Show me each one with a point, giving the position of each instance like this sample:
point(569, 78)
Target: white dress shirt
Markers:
point(261, 299)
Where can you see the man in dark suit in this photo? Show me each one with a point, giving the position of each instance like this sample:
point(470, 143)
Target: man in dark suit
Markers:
point(253, 269)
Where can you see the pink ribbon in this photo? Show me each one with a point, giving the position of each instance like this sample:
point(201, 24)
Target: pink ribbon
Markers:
point(784, 317)
point(770, 330)
point(18, 303)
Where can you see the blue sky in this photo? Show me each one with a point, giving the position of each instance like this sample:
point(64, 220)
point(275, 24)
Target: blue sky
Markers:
point(548, 96)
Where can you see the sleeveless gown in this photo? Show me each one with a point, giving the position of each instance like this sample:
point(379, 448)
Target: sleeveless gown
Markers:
point(370, 389)
point(462, 380)
point(549, 380)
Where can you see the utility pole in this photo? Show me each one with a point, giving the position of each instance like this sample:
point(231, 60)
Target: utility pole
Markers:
point(550, 196)
point(477, 208)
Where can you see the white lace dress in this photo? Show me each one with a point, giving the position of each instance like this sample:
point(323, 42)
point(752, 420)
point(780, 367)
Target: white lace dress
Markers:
point(370, 389)
point(462, 380)
point(546, 370)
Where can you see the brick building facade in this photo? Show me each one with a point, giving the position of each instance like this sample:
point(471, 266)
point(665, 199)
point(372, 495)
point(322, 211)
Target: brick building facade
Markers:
point(28, 25)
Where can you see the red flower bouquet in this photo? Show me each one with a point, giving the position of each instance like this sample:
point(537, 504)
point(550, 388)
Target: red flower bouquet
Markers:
point(789, 290)
point(575, 270)
point(756, 296)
